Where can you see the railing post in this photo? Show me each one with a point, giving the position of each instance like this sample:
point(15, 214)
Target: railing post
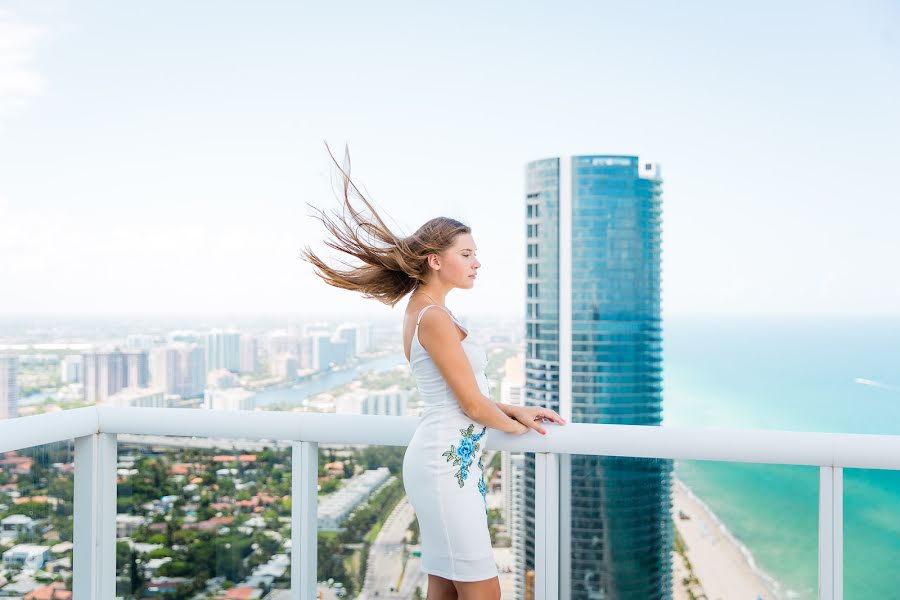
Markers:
point(304, 522)
point(831, 533)
point(94, 530)
point(546, 530)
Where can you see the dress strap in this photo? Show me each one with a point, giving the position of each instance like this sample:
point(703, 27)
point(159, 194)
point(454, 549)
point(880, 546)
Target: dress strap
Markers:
point(422, 312)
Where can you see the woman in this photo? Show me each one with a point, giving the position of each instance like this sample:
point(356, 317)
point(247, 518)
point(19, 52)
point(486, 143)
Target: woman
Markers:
point(443, 472)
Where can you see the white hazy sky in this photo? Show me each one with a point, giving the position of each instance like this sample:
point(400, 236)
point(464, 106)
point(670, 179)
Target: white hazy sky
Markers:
point(157, 156)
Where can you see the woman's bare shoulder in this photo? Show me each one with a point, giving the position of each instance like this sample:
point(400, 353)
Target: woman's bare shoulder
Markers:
point(437, 323)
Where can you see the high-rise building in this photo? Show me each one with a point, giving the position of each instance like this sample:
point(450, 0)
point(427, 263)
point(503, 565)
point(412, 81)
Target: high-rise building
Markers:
point(358, 334)
point(593, 354)
point(164, 371)
point(280, 341)
point(9, 386)
point(285, 366)
point(108, 371)
point(249, 354)
point(179, 368)
point(223, 350)
point(71, 369)
point(353, 335)
point(137, 366)
point(193, 370)
point(104, 375)
point(328, 350)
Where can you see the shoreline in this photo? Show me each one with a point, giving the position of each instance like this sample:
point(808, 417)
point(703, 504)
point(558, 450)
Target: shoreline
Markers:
point(723, 566)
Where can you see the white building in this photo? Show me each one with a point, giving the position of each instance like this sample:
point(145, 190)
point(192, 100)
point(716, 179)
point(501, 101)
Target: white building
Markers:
point(249, 354)
point(179, 368)
point(26, 556)
point(229, 399)
point(128, 524)
point(193, 370)
point(318, 344)
point(351, 403)
point(334, 508)
point(390, 402)
point(71, 369)
point(138, 397)
point(9, 386)
point(137, 368)
point(280, 341)
point(512, 386)
point(285, 366)
point(223, 350)
point(363, 338)
point(108, 371)
point(359, 336)
point(349, 332)
point(15, 525)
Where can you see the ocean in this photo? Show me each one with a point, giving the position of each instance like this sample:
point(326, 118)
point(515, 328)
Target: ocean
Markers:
point(796, 374)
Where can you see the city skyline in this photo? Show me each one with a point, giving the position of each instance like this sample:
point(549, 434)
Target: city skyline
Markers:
point(188, 176)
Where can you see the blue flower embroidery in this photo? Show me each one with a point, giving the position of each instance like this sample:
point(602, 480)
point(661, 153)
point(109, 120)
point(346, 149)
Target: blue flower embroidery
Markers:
point(481, 486)
point(462, 455)
point(465, 450)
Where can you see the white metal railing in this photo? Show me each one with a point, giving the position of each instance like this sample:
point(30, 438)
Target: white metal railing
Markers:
point(95, 430)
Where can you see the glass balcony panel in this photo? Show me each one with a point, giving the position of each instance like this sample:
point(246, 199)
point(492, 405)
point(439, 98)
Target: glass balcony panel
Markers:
point(759, 520)
point(871, 533)
point(368, 537)
point(200, 516)
point(36, 519)
point(652, 528)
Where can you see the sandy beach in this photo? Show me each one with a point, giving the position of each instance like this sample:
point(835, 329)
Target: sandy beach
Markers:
point(719, 562)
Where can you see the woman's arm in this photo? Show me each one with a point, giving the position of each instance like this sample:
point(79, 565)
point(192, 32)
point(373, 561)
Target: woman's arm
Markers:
point(439, 336)
point(508, 409)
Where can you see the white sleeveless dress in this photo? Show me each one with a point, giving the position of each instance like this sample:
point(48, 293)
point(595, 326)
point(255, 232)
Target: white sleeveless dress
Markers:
point(443, 472)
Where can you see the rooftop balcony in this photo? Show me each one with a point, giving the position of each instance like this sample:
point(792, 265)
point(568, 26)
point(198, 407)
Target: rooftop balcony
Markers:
point(97, 431)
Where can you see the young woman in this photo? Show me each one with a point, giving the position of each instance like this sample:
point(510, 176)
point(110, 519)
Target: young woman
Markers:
point(443, 472)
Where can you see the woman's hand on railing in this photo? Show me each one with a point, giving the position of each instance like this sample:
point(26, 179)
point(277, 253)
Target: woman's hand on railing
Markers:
point(532, 417)
point(516, 428)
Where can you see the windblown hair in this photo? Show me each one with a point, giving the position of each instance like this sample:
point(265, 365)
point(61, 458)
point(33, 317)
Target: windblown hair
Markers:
point(393, 266)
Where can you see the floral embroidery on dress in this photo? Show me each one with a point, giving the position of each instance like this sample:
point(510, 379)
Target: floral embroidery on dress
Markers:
point(462, 454)
point(481, 486)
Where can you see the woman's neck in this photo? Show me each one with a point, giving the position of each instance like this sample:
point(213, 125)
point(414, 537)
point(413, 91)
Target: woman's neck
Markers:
point(436, 296)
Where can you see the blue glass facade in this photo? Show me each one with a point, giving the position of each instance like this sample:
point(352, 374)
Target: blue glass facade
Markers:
point(620, 524)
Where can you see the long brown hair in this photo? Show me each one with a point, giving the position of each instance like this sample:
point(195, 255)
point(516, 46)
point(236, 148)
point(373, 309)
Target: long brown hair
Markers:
point(393, 266)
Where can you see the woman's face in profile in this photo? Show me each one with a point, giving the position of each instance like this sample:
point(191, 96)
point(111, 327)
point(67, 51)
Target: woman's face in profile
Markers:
point(459, 263)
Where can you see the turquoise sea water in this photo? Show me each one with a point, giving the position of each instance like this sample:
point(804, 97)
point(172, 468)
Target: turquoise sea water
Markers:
point(807, 374)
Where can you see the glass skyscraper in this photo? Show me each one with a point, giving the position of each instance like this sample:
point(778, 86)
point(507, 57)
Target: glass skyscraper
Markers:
point(594, 354)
